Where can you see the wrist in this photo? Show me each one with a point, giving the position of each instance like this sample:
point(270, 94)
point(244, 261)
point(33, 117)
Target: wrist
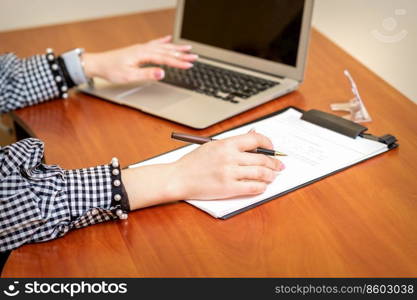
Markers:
point(91, 64)
point(177, 185)
point(153, 185)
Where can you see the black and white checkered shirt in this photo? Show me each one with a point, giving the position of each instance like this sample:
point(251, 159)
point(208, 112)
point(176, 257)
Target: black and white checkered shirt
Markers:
point(39, 202)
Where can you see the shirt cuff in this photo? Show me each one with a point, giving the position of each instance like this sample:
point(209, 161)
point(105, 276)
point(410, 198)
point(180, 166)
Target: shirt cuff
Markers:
point(73, 66)
point(96, 195)
point(38, 80)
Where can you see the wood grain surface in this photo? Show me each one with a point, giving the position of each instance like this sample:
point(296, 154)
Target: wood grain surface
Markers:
point(360, 222)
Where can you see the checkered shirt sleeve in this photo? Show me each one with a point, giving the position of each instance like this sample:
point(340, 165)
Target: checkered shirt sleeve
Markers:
point(41, 202)
point(25, 82)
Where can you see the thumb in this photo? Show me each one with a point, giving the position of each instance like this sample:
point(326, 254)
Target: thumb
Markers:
point(150, 73)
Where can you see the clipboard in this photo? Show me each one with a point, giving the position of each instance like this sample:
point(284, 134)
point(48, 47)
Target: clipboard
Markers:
point(332, 122)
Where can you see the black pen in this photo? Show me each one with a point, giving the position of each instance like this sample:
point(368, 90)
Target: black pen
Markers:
point(195, 139)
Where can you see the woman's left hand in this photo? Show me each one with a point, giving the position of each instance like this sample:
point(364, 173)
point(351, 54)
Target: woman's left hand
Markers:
point(124, 65)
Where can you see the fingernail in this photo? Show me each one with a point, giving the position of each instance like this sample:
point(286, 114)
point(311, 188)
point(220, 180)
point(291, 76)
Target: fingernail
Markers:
point(188, 47)
point(193, 56)
point(252, 130)
point(282, 166)
point(189, 65)
point(159, 74)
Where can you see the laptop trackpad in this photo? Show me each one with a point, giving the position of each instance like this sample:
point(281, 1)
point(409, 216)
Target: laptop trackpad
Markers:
point(152, 96)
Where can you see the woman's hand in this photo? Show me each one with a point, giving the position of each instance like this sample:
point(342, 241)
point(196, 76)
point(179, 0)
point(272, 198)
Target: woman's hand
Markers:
point(124, 65)
point(216, 170)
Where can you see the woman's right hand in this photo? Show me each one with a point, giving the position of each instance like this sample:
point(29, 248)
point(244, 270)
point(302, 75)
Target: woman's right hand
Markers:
point(216, 170)
point(223, 169)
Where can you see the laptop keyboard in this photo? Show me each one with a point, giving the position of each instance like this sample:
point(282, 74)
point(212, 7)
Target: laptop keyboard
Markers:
point(217, 82)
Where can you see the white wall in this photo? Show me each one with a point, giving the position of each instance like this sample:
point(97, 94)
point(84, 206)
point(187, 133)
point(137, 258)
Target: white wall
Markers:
point(382, 34)
point(356, 25)
point(16, 14)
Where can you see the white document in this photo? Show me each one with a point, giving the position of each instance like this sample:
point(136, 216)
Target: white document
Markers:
point(313, 152)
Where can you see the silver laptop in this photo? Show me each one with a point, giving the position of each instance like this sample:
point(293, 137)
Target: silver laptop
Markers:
point(250, 52)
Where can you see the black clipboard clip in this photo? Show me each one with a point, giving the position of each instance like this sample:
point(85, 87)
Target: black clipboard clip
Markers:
point(346, 127)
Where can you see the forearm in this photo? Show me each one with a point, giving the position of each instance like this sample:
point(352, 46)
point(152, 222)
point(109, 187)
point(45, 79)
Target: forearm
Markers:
point(25, 82)
point(28, 81)
point(41, 202)
point(153, 185)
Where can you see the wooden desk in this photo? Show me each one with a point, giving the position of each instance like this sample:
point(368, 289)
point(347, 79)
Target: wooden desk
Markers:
point(360, 222)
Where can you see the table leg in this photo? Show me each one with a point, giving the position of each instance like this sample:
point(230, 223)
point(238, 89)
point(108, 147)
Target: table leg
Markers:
point(20, 132)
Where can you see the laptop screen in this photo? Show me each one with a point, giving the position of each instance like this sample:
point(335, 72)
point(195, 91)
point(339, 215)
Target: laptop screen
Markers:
point(268, 29)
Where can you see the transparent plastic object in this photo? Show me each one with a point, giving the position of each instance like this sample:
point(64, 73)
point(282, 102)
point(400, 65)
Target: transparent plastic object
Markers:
point(355, 107)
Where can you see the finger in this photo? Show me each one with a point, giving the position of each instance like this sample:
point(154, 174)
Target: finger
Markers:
point(177, 54)
point(246, 188)
point(255, 173)
point(182, 48)
point(168, 60)
point(143, 74)
point(252, 159)
point(250, 141)
point(162, 40)
point(184, 57)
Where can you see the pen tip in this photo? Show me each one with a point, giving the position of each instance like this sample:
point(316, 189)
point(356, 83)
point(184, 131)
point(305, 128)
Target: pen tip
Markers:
point(277, 153)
